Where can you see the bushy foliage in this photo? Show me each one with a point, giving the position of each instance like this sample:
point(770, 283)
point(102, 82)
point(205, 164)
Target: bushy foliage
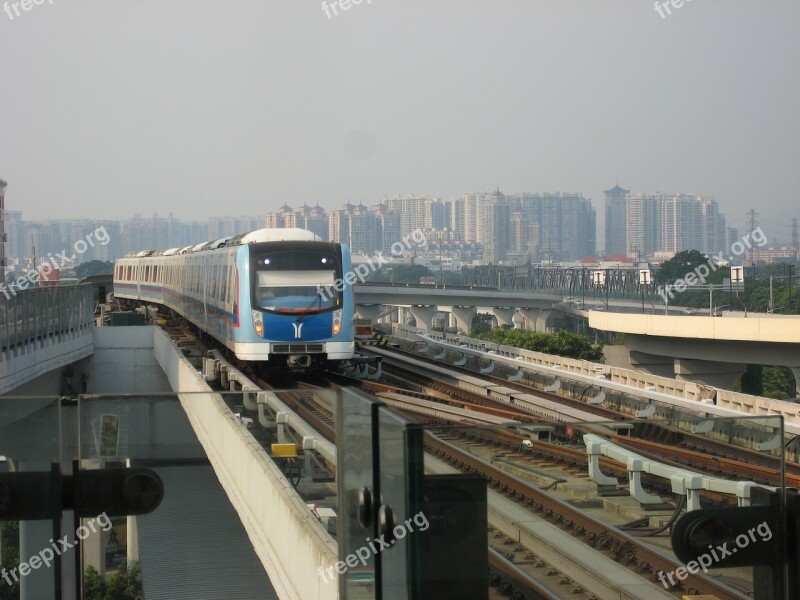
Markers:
point(125, 584)
point(94, 267)
point(9, 533)
point(400, 274)
point(563, 343)
point(770, 382)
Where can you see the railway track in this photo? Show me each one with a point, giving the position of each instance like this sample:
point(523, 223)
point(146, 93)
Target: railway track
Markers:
point(663, 442)
point(619, 546)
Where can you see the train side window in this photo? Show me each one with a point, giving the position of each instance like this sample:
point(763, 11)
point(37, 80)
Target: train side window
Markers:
point(224, 293)
point(233, 291)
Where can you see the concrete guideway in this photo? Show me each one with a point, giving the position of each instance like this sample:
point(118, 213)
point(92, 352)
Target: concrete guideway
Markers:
point(43, 329)
point(712, 350)
point(728, 404)
point(288, 540)
point(683, 482)
point(423, 302)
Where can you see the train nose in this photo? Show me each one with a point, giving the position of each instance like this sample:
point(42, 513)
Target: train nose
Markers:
point(299, 361)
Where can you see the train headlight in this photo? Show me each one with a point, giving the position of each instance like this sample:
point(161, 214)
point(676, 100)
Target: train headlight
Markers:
point(258, 323)
point(337, 322)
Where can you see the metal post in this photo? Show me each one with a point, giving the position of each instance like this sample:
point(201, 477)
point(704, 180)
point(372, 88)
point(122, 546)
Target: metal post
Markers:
point(583, 288)
point(771, 297)
point(730, 289)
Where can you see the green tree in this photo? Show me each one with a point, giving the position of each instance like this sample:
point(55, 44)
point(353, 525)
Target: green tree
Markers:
point(400, 274)
point(563, 343)
point(94, 587)
point(124, 584)
point(752, 381)
point(481, 324)
point(94, 267)
point(770, 382)
point(9, 531)
point(678, 266)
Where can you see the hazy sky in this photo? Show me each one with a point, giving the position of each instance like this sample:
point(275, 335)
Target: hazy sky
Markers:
point(202, 108)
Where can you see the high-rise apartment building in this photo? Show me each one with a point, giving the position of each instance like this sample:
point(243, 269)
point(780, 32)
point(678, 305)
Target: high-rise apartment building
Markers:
point(641, 225)
point(419, 212)
point(357, 226)
point(616, 220)
point(220, 227)
point(494, 227)
point(310, 218)
point(564, 224)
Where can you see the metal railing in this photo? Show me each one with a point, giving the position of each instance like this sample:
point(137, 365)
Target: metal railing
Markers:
point(38, 313)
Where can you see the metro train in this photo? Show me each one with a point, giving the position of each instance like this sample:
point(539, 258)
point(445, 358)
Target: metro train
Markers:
point(275, 295)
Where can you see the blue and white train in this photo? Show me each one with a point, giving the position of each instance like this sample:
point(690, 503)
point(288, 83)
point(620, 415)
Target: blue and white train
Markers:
point(276, 295)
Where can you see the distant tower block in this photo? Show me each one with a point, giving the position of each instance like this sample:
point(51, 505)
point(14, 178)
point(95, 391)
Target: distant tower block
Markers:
point(3, 185)
point(752, 225)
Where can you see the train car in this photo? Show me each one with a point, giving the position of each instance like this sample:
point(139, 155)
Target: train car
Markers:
point(275, 295)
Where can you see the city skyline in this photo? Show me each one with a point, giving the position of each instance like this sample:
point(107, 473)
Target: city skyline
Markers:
point(272, 103)
point(514, 239)
point(476, 228)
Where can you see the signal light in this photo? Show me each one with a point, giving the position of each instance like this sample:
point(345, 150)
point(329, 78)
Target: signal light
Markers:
point(258, 323)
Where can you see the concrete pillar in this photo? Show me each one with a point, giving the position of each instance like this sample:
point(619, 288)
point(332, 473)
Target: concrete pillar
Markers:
point(503, 315)
point(35, 536)
point(132, 535)
point(518, 320)
point(718, 374)
point(369, 311)
point(423, 316)
point(796, 371)
point(36, 584)
point(664, 366)
point(464, 316)
point(93, 548)
point(541, 321)
point(529, 315)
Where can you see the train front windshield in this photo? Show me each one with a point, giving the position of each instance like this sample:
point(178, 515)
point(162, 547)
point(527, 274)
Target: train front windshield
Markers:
point(293, 282)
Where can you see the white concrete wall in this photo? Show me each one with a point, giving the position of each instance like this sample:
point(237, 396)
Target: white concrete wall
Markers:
point(686, 390)
point(123, 361)
point(288, 539)
point(761, 328)
point(25, 363)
